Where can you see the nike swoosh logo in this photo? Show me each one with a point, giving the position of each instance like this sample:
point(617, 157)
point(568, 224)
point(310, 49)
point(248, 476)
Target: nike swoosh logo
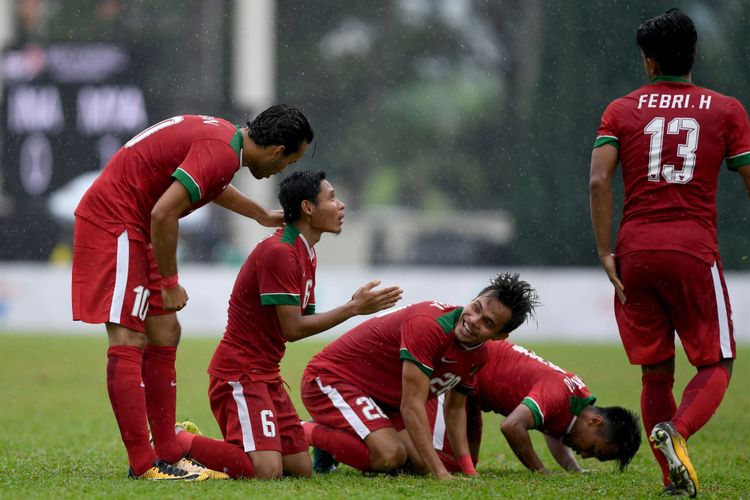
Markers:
point(173, 383)
point(445, 360)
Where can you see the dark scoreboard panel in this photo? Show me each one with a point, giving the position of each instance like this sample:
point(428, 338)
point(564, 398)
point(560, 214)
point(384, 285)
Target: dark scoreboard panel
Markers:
point(66, 109)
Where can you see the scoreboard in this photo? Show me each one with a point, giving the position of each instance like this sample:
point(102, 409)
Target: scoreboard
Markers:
point(66, 110)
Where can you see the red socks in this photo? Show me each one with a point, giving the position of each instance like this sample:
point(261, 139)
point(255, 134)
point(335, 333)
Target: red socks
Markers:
point(161, 399)
point(657, 405)
point(217, 455)
point(126, 394)
point(344, 446)
point(700, 399)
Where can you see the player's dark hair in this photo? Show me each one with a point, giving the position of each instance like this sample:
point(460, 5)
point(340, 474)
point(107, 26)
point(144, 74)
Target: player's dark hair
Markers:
point(670, 39)
point(299, 186)
point(281, 124)
point(515, 294)
point(622, 428)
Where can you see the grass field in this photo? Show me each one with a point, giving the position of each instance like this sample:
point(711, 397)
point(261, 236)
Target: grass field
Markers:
point(58, 437)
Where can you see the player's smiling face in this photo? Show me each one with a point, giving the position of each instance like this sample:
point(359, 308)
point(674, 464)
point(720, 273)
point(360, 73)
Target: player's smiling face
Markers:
point(482, 320)
point(328, 213)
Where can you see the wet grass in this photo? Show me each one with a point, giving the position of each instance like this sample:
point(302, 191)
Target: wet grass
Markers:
point(58, 437)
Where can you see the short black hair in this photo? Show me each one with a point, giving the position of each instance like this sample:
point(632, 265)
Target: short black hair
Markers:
point(670, 39)
point(299, 186)
point(622, 428)
point(515, 294)
point(281, 124)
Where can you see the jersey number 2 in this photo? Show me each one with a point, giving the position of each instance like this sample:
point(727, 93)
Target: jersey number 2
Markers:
point(686, 151)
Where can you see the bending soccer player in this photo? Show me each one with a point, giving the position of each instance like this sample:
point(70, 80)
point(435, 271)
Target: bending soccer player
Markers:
point(533, 393)
point(125, 264)
point(366, 391)
point(273, 302)
point(671, 138)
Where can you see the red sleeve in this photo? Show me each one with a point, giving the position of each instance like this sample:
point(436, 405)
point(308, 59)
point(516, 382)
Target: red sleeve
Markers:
point(207, 169)
point(608, 131)
point(279, 276)
point(738, 135)
point(421, 340)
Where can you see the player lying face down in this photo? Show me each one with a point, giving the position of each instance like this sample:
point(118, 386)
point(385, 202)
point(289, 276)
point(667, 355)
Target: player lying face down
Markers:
point(536, 394)
point(367, 390)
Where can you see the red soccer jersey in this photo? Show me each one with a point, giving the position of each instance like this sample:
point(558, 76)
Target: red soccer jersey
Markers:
point(514, 375)
point(370, 355)
point(279, 271)
point(672, 138)
point(201, 152)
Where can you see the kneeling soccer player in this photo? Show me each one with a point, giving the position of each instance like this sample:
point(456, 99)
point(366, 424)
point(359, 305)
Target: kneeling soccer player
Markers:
point(273, 302)
point(536, 394)
point(366, 391)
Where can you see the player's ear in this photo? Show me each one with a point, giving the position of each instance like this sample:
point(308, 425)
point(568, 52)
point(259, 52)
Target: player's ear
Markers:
point(278, 152)
point(307, 207)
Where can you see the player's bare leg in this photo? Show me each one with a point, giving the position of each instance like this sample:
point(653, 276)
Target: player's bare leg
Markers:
point(267, 464)
point(297, 464)
point(387, 450)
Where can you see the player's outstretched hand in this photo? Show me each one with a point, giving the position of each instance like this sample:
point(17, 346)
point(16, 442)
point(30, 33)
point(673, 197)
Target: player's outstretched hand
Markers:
point(174, 299)
point(368, 300)
point(271, 218)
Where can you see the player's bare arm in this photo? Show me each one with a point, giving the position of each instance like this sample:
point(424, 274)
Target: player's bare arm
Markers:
point(454, 410)
point(562, 454)
point(515, 428)
point(232, 199)
point(415, 386)
point(366, 300)
point(164, 229)
point(603, 166)
point(745, 173)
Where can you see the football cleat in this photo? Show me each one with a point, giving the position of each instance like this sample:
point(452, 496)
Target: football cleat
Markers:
point(674, 448)
point(188, 426)
point(193, 466)
point(162, 471)
point(323, 462)
point(671, 491)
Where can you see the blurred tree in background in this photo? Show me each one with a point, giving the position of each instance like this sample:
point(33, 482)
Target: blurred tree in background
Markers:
point(449, 105)
point(440, 105)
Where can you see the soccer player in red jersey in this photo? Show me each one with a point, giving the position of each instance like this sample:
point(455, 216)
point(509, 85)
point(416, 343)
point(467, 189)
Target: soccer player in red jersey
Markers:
point(536, 394)
point(366, 391)
point(124, 257)
point(671, 137)
point(273, 302)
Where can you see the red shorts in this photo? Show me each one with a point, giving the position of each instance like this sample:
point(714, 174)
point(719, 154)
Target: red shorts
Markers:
point(256, 416)
point(435, 416)
point(670, 291)
point(339, 404)
point(115, 279)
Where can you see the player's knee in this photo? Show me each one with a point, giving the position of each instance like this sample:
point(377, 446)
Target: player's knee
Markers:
point(265, 470)
point(388, 456)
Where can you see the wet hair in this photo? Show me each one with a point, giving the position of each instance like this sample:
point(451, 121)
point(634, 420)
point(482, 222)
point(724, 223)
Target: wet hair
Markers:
point(299, 186)
point(515, 294)
point(622, 428)
point(670, 39)
point(281, 124)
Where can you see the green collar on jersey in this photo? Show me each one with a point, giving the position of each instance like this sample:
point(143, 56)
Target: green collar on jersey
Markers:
point(290, 234)
point(236, 143)
point(578, 404)
point(448, 320)
point(667, 78)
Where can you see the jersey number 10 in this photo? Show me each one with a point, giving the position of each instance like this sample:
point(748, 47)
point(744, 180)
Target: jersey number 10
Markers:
point(686, 150)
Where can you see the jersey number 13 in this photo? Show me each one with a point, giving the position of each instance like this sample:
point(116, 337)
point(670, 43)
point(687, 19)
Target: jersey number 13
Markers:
point(686, 150)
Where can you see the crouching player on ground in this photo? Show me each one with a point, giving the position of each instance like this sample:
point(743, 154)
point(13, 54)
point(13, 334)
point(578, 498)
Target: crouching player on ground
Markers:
point(366, 391)
point(273, 302)
point(533, 393)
